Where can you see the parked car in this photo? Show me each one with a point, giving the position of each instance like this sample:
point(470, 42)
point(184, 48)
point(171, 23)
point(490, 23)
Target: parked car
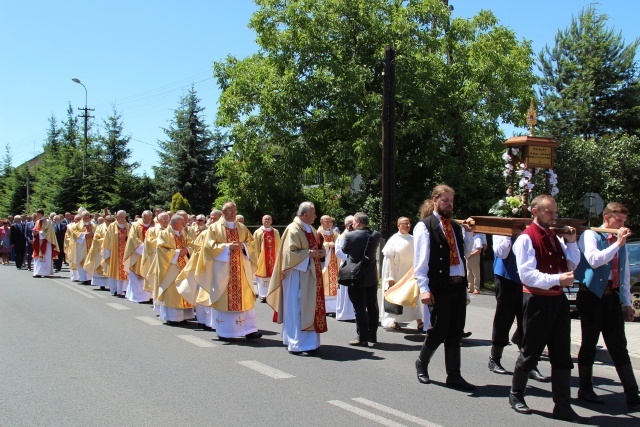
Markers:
point(633, 249)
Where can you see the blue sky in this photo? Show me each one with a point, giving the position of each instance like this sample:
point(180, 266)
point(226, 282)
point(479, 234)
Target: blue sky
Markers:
point(141, 56)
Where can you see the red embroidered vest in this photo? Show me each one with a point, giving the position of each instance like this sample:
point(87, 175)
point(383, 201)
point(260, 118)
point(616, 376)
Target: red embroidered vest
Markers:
point(550, 257)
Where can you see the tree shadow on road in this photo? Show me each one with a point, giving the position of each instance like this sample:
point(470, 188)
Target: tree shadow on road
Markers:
point(345, 354)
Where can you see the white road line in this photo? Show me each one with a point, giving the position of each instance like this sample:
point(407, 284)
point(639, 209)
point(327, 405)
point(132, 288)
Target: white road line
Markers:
point(265, 369)
point(73, 288)
point(150, 320)
point(117, 306)
point(196, 341)
point(365, 414)
point(395, 412)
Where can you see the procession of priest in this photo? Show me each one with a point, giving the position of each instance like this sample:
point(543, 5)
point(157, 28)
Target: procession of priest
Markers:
point(214, 270)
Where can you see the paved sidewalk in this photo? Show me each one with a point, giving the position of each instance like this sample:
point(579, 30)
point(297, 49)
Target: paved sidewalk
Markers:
point(633, 342)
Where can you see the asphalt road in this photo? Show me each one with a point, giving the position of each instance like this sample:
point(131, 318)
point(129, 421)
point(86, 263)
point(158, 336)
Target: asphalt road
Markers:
point(72, 355)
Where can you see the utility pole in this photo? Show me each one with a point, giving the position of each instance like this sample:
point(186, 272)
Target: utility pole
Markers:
point(86, 117)
point(388, 141)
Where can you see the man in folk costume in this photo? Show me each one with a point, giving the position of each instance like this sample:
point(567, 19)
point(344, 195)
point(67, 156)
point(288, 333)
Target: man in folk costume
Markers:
point(545, 265)
point(398, 260)
point(344, 306)
point(114, 245)
point(93, 262)
point(296, 290)
point(172, 256)
point(327, 238)
point(267, 242)
point(45, 246)
point(70, 248)
point(203, 312)
point(149, 259)
point(604, 303)
point(439, 269)
point(223, 270)
point(133, 258)
point(82, 235)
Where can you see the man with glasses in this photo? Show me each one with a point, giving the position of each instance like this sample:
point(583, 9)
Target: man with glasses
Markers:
point(604, 303)
point(545, 264)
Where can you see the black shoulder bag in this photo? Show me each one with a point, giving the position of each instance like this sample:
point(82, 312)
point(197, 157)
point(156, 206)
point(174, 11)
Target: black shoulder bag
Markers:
point(350, 272)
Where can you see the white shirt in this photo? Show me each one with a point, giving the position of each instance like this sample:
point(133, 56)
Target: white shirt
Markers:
point(588, 245)
point(501, 246)
point(421, 243)
point(527, 263)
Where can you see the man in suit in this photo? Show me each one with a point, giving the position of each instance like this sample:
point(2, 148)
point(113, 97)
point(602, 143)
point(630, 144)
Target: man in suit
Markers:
point(28, 234)
point(60, 229)
point(18, 240)
point(361, 243)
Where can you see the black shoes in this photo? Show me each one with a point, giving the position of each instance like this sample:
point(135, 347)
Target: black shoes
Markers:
point(590, 396)
point(566, 413)
point(495, 366)
point(537, 376)
point(466, 334)
point(423, 375)
point(253, 336)
point(358, 343)
point(516, 400)
point(456, 381)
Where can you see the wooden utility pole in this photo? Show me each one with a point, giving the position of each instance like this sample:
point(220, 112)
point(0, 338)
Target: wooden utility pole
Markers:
point(388, 141)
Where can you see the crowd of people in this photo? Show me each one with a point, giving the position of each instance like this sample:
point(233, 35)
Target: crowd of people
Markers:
point(213, 269)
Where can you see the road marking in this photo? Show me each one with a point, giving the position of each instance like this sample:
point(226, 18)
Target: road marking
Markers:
point(196, 341)
point(73, 288)
point(395, 412)
point(150, 320)
point(365, 414)
point(117, 306)
point(265, 369)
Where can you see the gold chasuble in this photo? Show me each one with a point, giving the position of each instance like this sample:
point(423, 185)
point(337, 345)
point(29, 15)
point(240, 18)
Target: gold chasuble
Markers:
point(81, 249)
point(266, 244)
point(93, 260)
point(115, 241)
point(148, 263)
point(224, 276)
point(330, 271)
point(294, 248)
point(136, 238)
point(49, 235)
point(167, 245)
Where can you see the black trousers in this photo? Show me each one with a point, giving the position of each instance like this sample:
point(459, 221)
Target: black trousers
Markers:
point(508, 308)
point(29, 256)
point(19, 255)
point(448, 316)
point(601, 316)
point(546, 322)
point(365, 304)
point(57, 261)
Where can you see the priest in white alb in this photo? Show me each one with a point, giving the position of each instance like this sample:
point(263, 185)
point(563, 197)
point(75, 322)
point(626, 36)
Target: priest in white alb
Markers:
point(133, 258)
point(296, 291)
point(267, 242)
point(45, 246)
point(82, 235)
point(93, 264)
point(344, 306)
point(114, 245)
point(149, 258)
point(328, 238)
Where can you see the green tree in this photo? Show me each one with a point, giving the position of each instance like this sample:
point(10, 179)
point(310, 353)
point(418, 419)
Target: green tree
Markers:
point(589, 85)
point(178, 202)
point(187, 157)
point(312, 97)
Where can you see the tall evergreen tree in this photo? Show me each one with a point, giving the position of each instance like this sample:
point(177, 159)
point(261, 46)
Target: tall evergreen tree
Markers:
point(187, 157)
point(589, 85)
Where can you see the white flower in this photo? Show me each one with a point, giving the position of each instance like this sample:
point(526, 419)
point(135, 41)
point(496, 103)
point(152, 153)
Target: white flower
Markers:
point(514, 211)
point(505, 173)
point(529, 208)
point(522, 165)
point(551, 172)
point(509, 166)
point(520, 172)
point(523, 182)
point(506, 157)
point(530, 185)
point(527, 174)
point(537, 170)
point(515, 150)
point(501, 202)
point(554, 191)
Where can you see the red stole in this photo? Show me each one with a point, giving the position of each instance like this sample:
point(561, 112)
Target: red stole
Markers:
point(269, 248)
point(332, 268)
point(122, 245)
point(234, 286)
point(88, 239)
point(550, 258)
point(320, 320)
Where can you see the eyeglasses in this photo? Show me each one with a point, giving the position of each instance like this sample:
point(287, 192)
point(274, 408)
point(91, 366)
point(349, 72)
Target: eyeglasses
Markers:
point(200, 220)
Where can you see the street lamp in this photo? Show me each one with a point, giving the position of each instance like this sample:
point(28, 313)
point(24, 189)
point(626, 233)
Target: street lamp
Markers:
point(86, 129)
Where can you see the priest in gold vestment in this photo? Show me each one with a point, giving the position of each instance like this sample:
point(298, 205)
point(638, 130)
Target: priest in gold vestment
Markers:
point(70, 248)
point(203, 312)
point(171, 256)
point(93, 264)
point(82, 237)
point(149, 259)
point(133, 258)
point(223, 270)
point(327, 237)
point(296, 290)
point(45, 246)
point(267, 242)
point(114, 245)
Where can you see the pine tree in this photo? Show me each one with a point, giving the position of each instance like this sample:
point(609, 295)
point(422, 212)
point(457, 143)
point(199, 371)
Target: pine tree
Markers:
point(589, 85)
point(187, 156)
point(178, 202)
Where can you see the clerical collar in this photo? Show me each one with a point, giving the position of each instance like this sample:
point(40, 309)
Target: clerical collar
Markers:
point(230, 224)
point(121, 225)
point(177, 233)
point(326, 232)
point(146, 225)
point(266, 228)
point(307, 227)
point(87, 223)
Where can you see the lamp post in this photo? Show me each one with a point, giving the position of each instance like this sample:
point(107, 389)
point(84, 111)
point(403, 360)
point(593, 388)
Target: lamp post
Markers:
point(86, 128)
